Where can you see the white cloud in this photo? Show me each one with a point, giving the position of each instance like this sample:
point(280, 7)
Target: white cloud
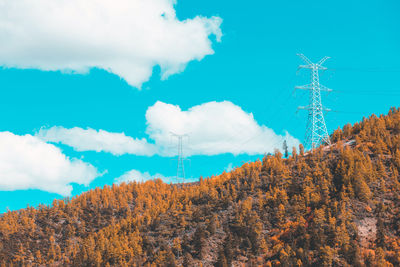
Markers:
point(92, 140)
point(26, 162)
point(135, 175)
point(124, 37)
point(138, 176)
point(213, 128)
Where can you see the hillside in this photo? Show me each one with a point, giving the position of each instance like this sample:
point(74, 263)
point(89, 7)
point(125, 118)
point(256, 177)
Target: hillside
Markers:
point(338, 205)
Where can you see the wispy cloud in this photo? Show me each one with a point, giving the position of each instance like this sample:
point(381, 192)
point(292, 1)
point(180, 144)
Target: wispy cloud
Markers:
point(100, 141)
point(124, 37)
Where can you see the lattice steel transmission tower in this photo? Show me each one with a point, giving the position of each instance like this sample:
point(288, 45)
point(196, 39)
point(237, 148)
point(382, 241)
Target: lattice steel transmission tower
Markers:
point(180, 171)
point(316, 131)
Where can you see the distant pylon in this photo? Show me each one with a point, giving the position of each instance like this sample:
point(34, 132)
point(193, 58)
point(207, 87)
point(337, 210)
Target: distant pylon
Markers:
point(316, 131)
point(180, 171)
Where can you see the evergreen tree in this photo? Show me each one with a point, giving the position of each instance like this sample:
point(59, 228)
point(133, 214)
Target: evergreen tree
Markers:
point(285, 149)
point(221, 261)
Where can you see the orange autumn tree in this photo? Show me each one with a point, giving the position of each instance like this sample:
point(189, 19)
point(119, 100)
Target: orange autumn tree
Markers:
point(306, 209)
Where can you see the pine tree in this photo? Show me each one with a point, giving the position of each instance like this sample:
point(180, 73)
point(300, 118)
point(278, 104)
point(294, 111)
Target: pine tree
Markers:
point(198, 240)
point(221, 261)
point(170, 259)
point(228, 248)
point(301, 149)
point(188, 260)
point(285, 149)
point(380, 233)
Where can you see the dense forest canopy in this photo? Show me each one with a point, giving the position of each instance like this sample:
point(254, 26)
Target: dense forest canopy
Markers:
point(336, 205)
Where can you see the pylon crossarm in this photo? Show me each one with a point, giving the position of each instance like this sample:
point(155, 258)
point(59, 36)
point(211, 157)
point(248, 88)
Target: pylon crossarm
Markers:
point(303, 87)
point(324, 88)
point(319, 67)
point(304, 108)
point(305, 67)
point(305, 59)
point(323, 60)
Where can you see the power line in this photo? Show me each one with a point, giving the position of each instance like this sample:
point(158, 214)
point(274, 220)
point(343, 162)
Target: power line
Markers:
point(366, 69)
point(347, 112)
point(371, 92)
point(316, 131)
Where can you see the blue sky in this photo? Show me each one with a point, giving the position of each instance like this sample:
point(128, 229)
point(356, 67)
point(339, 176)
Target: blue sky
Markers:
point(253, 67)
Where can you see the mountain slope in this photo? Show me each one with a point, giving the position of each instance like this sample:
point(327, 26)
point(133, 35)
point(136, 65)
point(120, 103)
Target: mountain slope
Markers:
point(338, 205)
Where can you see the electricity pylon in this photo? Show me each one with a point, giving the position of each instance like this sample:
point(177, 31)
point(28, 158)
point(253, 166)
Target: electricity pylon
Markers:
point(180, 171)
point(316, 131)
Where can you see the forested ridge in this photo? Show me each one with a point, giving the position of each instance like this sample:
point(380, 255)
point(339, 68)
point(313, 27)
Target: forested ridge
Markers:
point(335, 206)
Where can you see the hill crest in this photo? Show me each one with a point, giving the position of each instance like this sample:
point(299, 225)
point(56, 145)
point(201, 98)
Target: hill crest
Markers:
point(337, 205)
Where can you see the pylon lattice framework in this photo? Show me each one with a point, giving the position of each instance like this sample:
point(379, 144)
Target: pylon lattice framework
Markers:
point(316, 131)
point(180, 172)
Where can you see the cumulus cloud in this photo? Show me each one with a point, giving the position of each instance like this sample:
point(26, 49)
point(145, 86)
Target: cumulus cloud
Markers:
point(124, 37)
point(92, 140)
point(137, 176)
point(27, 162)
point(214, 128)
